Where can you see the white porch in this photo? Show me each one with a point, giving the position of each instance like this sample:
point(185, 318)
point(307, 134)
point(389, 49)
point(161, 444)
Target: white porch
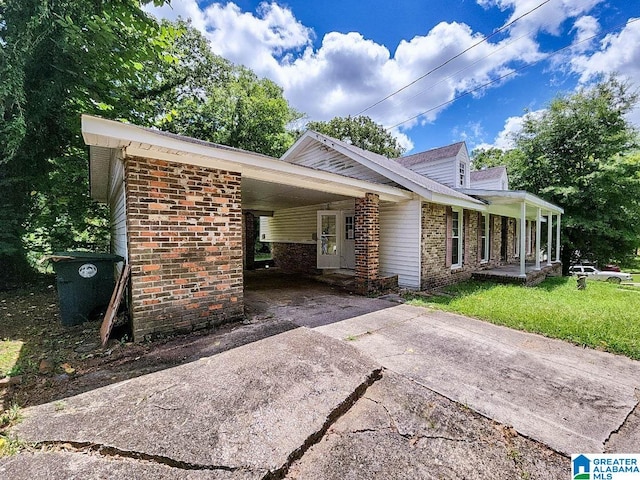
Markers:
point(523, 206)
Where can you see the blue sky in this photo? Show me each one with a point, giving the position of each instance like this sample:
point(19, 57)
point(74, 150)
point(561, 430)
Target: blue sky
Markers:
point(338, 57)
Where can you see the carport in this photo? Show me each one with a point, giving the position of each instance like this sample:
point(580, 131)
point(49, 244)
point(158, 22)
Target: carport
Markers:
point(178, 206)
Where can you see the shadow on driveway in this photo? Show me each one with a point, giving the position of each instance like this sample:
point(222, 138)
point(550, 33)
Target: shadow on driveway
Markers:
point(303, 301)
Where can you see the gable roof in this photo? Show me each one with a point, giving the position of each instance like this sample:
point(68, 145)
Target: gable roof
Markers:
point(105, 137)
point(433, 155)
point(492, 173)
point(391, 169)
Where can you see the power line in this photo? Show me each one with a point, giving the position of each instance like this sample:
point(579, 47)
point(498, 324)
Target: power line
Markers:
point(469, 92)
point(484, 39)
point(462, 69)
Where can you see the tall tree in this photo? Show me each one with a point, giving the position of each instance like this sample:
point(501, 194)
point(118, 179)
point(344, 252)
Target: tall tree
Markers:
point(205, 96)
point(362, 132)
point(57, 60)
point(579, 154)
point(512, 159)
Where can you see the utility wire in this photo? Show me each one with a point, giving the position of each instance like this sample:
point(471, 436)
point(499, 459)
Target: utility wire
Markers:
point(484, 39)
point(402, 102)
point(555, 52)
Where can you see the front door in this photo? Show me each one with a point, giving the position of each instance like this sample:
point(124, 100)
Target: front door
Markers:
point(329, 232)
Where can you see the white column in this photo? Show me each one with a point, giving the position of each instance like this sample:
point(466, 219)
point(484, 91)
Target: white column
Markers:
point(558, 239)
point(549, 237)
point(523, 235)
point(538, 228)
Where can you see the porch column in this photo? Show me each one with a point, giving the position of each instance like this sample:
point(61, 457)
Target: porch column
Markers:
point(549, 237)
point(538, 228)
point(367, 242)
point(558, 239)
point(523, 234)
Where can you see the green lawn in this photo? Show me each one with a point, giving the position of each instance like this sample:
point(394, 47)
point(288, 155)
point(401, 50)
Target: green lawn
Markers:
point(603, 316)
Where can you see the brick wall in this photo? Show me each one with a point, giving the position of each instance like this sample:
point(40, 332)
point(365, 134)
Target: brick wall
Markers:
point(367, 243)
point(511, 242)
point(495, 234)
point(435, 272)
point(295, 257)
point(185, 246)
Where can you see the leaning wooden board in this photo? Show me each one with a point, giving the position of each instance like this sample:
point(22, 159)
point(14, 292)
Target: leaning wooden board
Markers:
point(114, 304)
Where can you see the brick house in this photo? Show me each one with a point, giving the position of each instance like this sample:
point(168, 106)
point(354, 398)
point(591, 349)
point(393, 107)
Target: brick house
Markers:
point(182, 214)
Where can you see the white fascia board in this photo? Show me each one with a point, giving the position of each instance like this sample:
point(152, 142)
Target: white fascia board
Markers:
point(458, 202)
point(517, 195)
point(300, 144)
point(406, 182)
point(280, 172)
point(141, 142)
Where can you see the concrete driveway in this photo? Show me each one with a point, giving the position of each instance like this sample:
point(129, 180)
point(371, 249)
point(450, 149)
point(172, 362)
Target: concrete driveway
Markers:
point(569, 398)
point(394, 392)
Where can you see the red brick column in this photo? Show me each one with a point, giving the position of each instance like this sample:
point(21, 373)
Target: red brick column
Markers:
point(184, 232)
point(367, 243)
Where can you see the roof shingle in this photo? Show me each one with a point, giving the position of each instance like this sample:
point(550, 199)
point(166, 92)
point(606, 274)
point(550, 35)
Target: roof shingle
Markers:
point(449, 151)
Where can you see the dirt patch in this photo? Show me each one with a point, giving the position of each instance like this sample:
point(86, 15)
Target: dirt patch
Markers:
point(47, 361)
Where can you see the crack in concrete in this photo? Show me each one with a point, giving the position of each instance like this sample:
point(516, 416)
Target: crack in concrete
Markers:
point(332, 418)
point(626, 419)
point(385, 327)
point(110, 451)
point(412, 437)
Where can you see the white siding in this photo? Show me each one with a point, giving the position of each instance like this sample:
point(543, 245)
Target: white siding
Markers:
point(501, 183)
point(117, 208)
point(442, 171)
point(319, 158)
point(400, 225)
point(296, 225)
point(491, 184)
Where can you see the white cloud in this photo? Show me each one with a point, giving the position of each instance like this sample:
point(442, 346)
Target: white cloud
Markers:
point(348, 72)
point(617, 53)
point(548, 18)
point(404, 140)
point(512, 126)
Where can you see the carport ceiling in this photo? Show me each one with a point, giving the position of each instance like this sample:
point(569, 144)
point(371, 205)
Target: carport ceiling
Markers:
point(268, 196)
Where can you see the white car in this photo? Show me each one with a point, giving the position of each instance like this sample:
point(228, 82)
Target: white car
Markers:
point(595, 274)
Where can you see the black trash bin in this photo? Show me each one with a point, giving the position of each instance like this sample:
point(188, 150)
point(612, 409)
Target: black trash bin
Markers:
point(85, 282)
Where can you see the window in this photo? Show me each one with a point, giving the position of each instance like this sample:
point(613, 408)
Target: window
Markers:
point(329, 237)
point(349, 230)
point(484, 237)
point(456, 239)
point(462, 172)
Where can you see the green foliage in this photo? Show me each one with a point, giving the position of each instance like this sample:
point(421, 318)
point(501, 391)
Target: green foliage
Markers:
point(204, 96)
point(9, 444)
point(362, 132)
point(603, 316)
point(108, 58)
point(58, 60)
point(580, 155)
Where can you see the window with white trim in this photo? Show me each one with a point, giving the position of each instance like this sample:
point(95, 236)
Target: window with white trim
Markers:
point(456, 238)
point(484, 237)
point(462, 174)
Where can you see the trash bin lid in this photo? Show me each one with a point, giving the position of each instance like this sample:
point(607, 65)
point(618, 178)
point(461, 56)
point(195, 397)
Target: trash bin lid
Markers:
point(81, 256)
